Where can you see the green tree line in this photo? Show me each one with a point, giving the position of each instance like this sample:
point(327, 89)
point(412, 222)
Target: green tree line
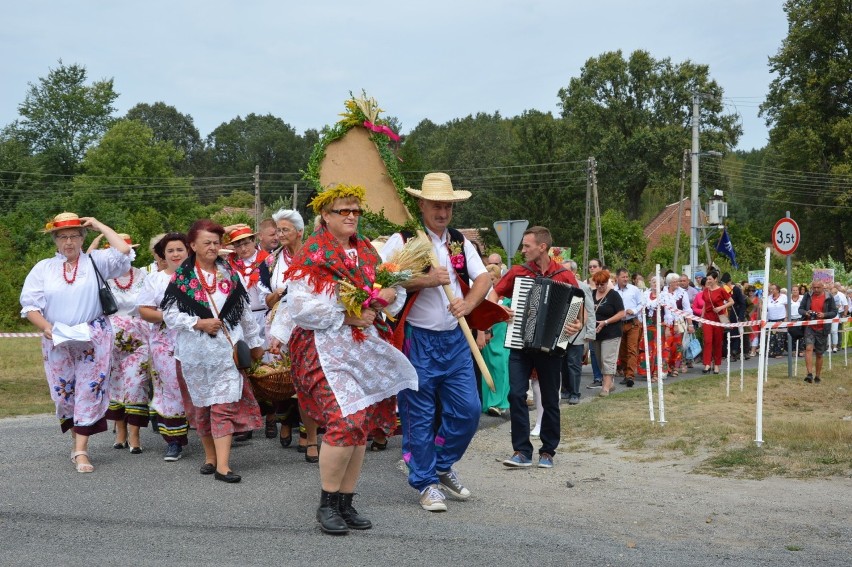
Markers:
point(151, 170)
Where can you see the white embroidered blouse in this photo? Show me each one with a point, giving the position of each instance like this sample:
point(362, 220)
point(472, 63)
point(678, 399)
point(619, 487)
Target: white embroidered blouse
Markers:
point(207, 362)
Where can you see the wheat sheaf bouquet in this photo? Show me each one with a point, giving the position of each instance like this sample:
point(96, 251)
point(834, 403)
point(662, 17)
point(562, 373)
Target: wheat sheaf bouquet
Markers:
point(408, 262)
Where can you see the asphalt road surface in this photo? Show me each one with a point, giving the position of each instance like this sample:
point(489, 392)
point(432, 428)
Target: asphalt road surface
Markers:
point(594, 508)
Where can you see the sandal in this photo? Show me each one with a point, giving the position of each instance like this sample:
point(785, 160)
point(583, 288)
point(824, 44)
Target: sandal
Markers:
point(376, 446)
point(310, 458)
point(673, 374)
point(82, 467)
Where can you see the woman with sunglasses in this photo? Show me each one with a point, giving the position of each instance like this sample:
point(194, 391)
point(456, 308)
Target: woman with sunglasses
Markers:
point(344, 368)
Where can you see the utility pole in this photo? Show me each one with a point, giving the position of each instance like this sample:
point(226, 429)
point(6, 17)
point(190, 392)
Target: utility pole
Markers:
point(257, 197)
point(676, 267)
point(693, 195)
point(588, 218)
point(597, 211)
point(295, 195)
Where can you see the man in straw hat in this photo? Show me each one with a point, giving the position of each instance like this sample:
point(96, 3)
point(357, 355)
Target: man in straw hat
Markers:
point(437, 349)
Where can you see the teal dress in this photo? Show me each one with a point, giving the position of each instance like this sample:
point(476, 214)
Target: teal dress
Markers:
point(497, 360)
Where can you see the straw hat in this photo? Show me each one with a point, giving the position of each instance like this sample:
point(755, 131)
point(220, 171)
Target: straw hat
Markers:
point(438, 187)
point(126, 237)
point(62, 221)
point(240, 233)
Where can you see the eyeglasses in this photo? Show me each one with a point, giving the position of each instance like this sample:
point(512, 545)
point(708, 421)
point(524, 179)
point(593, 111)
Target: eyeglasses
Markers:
point(592, 267)
point(347, 212)
point(284, 230)
point(69, 237)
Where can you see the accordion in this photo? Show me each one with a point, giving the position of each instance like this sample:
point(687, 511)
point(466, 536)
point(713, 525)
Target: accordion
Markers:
point(542, 309)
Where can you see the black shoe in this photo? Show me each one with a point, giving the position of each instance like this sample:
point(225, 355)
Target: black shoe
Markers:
point(309, 458)
point(809, 378)
point(207, 468)
point(285, 440)
point(244, 436)
point(817, 380)
point(135, 450)
point(350, 515)
point(705, 371)
point(328, 514)
point(628, 382)
point(124, 445)
point(228, 477)
point(271, 430)
point(623, 381)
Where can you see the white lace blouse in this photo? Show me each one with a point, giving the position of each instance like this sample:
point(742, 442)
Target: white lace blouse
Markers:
point(359, 374)
point(45, 289)
point(207, 362)
point(126, 299)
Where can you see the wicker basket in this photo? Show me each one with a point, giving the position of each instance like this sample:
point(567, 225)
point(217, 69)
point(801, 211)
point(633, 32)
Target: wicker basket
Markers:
point(273, 386)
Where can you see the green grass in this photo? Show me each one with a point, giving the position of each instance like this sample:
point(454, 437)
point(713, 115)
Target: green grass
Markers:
point(23, 386)
point(804, 430)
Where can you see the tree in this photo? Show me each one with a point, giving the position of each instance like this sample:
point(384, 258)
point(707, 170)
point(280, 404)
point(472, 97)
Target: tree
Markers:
point(128, 182)
point(809, 111)
point(634, 116)
point(169, 125)
point(62, 116)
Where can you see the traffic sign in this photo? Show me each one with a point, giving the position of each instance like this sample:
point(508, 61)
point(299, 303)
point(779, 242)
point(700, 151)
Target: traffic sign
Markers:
point(510, 233)
point(785, 236)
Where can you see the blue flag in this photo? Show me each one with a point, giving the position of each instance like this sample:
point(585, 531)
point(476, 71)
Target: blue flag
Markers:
point(724, 246)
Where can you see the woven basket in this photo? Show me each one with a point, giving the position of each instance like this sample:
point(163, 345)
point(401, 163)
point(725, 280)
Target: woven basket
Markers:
point(274, 386)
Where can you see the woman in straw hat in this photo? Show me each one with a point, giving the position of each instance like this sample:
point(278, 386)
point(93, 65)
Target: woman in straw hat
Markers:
point(290, 229)
point(208, 305)
point(128, 383)
point(60, 297)
point(170, 402)
point(344, 368)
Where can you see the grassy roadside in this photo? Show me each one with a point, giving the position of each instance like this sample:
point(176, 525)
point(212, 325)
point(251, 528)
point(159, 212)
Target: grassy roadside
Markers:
point(23, 387)
point(807, 428)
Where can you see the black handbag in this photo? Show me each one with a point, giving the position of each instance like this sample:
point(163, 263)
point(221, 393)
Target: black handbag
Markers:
point(108, 304)
point(242, 355)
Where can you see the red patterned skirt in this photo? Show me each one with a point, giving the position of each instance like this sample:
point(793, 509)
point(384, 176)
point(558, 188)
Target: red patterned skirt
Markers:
point(318, 400)
point(221, 420)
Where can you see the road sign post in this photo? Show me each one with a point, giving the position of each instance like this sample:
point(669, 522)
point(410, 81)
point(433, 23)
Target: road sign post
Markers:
point(785, 239)
point(510, 233)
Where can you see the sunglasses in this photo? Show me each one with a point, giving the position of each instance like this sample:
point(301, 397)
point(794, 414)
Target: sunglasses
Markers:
point(347, 212)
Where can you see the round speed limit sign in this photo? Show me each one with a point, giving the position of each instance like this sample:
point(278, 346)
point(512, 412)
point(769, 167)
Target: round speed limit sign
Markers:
point(785, 236)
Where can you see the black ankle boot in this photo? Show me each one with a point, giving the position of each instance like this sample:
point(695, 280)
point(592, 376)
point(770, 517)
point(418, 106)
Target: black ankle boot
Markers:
point(328, 514)
point(350, 514)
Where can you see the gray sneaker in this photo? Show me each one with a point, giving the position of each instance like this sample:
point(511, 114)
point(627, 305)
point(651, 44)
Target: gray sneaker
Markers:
point(518, 460)
point(432, 499)
point(574, 400)
point(451, 484)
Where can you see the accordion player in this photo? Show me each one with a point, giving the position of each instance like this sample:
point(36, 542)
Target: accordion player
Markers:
point(543, 309)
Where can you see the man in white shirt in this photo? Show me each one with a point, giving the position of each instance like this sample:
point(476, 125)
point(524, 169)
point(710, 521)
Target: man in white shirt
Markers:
point(842, 310)
point(628, 351)
point(436, 347)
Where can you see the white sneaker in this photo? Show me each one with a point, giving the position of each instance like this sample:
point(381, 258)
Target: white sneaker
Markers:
point(432, 499)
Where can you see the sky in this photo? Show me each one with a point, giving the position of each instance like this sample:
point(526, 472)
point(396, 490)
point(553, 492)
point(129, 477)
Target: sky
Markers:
point(436, 60)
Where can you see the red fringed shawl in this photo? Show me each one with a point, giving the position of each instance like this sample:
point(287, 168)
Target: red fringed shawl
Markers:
point(323, 262)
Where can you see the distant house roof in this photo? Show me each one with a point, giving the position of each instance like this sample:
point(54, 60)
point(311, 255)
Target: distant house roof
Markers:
point(666, 223)
point(473, 235)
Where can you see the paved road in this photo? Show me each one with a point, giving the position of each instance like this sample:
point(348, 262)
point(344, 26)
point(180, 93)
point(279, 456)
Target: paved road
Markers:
point(139, 510)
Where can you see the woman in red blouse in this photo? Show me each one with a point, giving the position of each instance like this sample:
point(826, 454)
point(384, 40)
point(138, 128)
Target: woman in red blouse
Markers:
point(716, 301)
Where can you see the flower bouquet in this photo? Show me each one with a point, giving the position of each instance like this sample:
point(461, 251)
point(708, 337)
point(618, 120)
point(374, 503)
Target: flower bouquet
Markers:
point(408, 262)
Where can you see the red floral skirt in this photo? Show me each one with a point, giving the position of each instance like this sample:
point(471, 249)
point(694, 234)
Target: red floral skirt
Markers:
point(318, 400)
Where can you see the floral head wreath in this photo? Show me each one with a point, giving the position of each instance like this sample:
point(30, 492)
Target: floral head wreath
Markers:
point(332, 192)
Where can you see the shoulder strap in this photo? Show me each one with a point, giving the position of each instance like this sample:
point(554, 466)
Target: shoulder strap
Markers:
point(100, 278)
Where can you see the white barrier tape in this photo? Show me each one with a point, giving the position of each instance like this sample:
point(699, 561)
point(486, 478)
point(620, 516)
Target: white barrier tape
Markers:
point(19, 335)
point(774, 325)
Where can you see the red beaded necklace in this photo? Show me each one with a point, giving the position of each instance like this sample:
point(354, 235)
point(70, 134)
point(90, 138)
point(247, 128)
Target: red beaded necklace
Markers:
point(210, 289)
point(124, 287)
point(74, 275)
